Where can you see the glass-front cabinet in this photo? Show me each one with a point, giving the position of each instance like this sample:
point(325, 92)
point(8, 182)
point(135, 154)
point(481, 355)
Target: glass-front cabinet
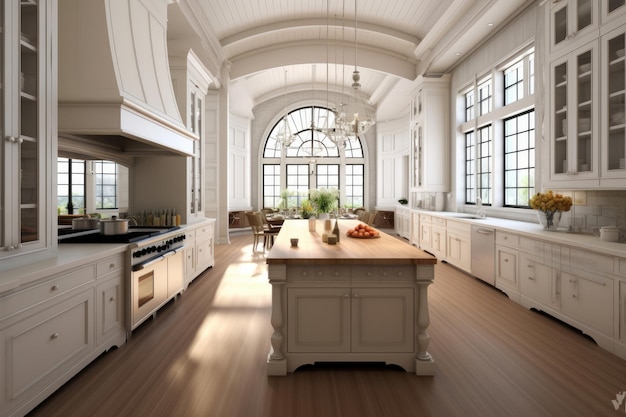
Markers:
point(570, 20)
point(613, 99)
point(29, 126)
point(574, 110)
point(612, 9)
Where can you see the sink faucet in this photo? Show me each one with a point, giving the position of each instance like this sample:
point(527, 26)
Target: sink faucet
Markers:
point(480, 211)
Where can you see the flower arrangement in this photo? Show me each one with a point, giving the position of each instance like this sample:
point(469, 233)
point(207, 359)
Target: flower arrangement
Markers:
point(324, 200)
point(550, 205)
point(550, 201)
point(307, 208)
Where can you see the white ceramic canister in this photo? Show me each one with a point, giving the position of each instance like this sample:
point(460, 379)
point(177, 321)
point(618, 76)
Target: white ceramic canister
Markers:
point(607, 233)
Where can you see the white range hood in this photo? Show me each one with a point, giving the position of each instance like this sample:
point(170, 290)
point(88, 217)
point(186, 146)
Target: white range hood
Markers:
point(115, 88)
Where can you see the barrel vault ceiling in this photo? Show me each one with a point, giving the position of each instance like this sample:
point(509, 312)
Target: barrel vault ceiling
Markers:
point(275, 46)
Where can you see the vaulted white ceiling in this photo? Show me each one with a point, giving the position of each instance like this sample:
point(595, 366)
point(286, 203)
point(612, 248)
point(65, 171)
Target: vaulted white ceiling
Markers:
point(277, 46)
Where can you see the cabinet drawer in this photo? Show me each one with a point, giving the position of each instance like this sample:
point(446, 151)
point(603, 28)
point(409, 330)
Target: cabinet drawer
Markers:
point(204, 231)
point(424, 218)
point(384, 273)
point(109, 265)
point(41, 293)
point(589, 261)
point(41, 346)
point(505, 238)
point(532, 246)
point(438, 221)
point(318, 273)
point(620, 266)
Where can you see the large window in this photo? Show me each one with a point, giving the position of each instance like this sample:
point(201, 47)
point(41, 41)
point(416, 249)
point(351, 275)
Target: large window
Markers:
point(312, 160)
point(70, 185)
point(519, 159)
point(499, 141)
point(106, 184)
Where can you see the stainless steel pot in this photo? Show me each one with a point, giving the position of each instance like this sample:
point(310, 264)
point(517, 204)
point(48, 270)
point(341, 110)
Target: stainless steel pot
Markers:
point(114, 226)
point(86, 222)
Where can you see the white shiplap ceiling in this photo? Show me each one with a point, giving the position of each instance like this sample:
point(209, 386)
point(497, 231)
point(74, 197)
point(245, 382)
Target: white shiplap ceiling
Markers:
point(312, 42)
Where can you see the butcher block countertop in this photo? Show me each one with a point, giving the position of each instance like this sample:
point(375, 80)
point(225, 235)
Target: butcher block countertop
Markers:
point(385, 250)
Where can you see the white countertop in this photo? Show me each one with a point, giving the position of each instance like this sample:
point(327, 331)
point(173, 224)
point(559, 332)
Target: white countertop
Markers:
point(534, 230)
point(68, 256)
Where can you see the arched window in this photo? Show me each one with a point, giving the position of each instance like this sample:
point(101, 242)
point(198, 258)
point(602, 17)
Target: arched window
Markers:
point(311, 161)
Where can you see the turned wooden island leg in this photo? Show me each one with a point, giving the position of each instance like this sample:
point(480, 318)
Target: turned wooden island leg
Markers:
point(424, 363)
point(276, 360)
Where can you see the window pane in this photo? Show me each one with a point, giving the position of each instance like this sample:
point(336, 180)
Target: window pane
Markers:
point(519, 160)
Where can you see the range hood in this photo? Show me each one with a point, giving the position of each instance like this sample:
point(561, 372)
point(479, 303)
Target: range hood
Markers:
point(115, 89)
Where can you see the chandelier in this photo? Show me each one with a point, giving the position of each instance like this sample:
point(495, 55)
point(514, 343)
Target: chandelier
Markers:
point(355, 120)
point(284, 136)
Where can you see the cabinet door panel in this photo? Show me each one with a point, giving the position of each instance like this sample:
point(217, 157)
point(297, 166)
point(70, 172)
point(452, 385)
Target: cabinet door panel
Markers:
point(319, 320)
point(382, 320)
point(589, 299)
point(506, 267)
point(41, 344)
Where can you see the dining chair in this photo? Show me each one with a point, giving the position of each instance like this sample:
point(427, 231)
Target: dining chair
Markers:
point(257, 230)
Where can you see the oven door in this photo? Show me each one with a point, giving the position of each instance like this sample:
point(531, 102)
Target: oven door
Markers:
point(148, 289)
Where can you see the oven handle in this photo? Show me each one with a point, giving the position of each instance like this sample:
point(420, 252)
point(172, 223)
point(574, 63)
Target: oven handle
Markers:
point(146, 264)
point(159, 258)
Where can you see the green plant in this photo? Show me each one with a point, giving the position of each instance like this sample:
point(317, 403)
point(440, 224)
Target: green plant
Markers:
point(324, 200)
point(403, 201)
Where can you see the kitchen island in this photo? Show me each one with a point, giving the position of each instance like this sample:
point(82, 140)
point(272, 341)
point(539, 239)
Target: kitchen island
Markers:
point(360, 300)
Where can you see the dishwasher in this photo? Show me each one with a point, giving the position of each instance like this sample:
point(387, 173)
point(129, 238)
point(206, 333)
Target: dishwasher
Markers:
point(483, 248)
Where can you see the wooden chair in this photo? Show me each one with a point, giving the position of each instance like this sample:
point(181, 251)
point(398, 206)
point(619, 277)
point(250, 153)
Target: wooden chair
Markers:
point(259, 231)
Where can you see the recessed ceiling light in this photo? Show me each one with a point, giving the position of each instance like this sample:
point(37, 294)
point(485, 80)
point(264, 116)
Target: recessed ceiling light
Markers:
point(457, 54)
point(490, 24)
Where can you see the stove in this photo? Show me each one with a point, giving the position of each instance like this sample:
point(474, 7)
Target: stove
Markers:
point(135, 234)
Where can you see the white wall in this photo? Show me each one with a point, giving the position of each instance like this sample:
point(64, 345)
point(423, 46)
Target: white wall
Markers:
point(239, 163)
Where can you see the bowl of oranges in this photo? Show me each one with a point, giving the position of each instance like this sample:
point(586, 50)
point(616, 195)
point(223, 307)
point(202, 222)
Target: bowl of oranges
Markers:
point(363, 231)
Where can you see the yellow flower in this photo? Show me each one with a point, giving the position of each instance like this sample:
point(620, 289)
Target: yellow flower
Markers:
point(550, 201)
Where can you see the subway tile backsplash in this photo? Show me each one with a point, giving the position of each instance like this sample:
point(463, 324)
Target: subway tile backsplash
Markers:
point(596, 209)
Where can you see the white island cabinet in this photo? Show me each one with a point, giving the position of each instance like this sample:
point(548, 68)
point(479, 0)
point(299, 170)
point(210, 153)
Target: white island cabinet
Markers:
point(360, 300)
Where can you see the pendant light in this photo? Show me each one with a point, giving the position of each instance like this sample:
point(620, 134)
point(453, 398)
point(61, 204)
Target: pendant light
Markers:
point(285, 137)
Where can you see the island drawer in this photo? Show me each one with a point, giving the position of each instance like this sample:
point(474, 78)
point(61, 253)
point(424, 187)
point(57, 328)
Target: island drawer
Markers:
point(318, 273)
point(109, 265)
point(383, 273)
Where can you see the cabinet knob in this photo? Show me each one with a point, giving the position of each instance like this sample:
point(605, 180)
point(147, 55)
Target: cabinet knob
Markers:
point(346, 295)
point(111, 266)
point(54, 288)
point(304, 273)
point(369, 274)
point(356, 295)
point(54, 336)
point(506, 260)
point(531, 278)
point(112, 299)
point(336, 273)
point(320, 273)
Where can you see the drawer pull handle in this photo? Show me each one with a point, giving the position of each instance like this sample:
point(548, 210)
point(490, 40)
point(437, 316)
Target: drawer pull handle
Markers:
point(320, 273)
point(346, 295)
point(112, 299)
point(54, 288)
point(54, 336)
point(111, 266)
point(506, 260)
point(356, 295)
point(531, 278)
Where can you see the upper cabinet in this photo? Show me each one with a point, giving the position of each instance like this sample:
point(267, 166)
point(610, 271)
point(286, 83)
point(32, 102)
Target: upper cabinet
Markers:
point(587, 90)
point(430, 123)
point(28, 127)
point(571, 22)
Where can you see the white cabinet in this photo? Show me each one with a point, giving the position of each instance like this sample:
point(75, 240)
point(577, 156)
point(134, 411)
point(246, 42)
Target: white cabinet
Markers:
point(425, 224)
point(506, 267)
point(613, 121)
point(402, 222)
point(570, 22)
point(539, 283)
point(588, 298)
point(415, 228)
point(458, 246)
point(199, 252)
point(574, 150)
point(28, 108)
point(438, 237)
point(429, 136)
point(109, 303)
point(612, 10)
point(350, 320)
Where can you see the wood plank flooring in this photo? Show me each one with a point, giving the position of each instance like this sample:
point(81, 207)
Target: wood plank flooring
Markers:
point(205, 354)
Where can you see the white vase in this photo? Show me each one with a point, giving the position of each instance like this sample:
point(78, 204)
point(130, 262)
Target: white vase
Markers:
point(323, 216)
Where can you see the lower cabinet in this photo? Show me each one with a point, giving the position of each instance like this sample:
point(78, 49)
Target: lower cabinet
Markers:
point(40, 350)
point(588, 299)
point(538, 283)
point(199, 249)
point(458, 245)
point(51, 330)
point(350, 320)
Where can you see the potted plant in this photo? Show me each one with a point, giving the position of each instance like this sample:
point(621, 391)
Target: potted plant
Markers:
point(307, 208)
point(403, 201)
point(324, 200)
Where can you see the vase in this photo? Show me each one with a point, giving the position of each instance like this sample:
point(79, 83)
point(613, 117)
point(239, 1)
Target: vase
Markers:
point(549, 219)
point(323, 216)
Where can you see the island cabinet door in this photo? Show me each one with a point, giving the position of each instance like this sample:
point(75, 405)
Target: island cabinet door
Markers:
point(383, 320)
point(319, 320)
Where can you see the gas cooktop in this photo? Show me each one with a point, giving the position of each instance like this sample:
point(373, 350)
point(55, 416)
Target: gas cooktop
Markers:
point(134, 234)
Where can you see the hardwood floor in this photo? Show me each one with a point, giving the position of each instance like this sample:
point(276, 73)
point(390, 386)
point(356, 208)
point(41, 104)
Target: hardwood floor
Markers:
point(205, 354)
